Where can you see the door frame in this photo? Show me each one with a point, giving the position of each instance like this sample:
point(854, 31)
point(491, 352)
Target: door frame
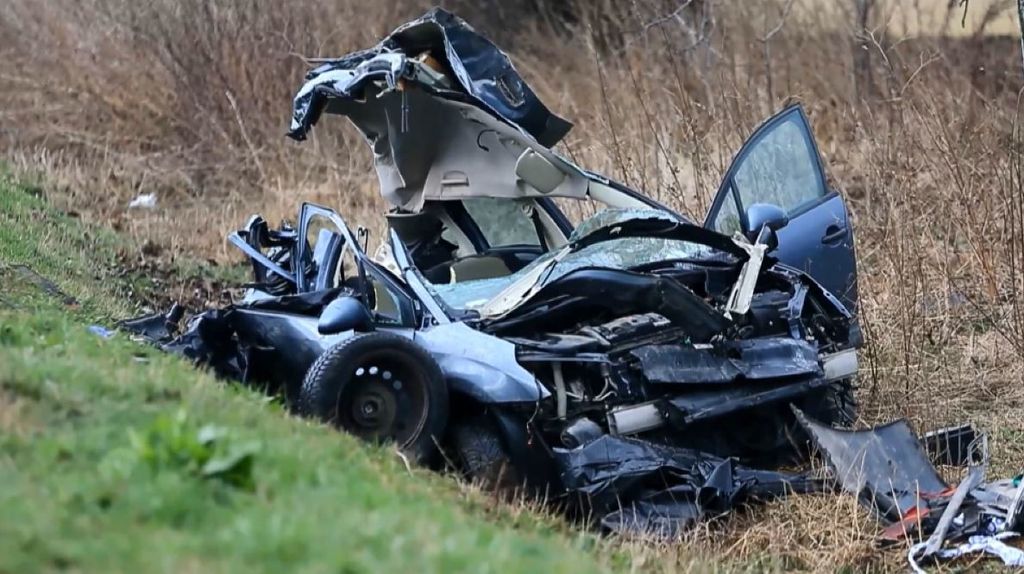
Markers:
point(727, 188)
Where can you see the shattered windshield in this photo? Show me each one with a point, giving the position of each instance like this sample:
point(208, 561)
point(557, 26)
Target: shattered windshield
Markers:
point(624, 253)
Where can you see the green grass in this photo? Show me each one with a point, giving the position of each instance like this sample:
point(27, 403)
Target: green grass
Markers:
point(117, 458)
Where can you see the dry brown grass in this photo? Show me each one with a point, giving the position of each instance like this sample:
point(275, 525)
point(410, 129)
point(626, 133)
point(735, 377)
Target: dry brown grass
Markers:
point(189, 99)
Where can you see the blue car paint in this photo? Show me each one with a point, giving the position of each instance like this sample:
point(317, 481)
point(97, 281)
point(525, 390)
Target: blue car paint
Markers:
point(818, 238)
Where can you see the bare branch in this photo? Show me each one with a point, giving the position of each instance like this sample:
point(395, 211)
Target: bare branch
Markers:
point(767, 51)
point(1020, 20)
point(666, 18)
point(698, 37)
point(782, 22)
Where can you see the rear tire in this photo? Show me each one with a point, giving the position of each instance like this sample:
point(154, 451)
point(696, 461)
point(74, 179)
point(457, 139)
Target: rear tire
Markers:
point(382, 388)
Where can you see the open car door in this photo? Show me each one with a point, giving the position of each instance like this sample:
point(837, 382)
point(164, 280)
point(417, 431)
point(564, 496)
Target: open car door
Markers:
point(779, 165)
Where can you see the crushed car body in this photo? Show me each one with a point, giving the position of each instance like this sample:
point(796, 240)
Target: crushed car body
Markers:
point(635, 348)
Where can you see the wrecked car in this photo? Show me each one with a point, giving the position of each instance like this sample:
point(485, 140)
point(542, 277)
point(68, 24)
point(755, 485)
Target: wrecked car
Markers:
point(534, 350)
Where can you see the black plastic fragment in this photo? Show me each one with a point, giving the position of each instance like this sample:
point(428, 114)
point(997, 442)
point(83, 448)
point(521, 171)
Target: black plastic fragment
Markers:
point(642, 487)
point(961, 445)
point(885, 466)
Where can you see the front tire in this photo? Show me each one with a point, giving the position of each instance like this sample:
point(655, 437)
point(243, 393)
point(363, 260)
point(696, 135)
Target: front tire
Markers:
point(381, 388)
point(482, 457)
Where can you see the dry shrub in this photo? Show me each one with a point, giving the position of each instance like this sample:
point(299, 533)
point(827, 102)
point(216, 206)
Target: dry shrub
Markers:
point(190, 99)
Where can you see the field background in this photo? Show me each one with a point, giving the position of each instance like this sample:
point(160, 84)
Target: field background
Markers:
point(915, 106)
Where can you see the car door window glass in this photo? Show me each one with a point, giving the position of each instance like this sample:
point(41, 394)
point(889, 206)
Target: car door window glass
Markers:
point(326, 263)
point(727, 220)
point(385, 302)
point(503, 221)
point(781, 169)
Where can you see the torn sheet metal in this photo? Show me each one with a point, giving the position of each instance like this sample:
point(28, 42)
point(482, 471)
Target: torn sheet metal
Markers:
point(641, 487)
point(885, 466)
point(482, 71)
point(228, 340)
point(888, 468)
point(750, 359)
point(743, 292)
point(446, 114)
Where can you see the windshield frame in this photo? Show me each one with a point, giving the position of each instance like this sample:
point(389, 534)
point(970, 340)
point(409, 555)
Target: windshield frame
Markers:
point(653, 225)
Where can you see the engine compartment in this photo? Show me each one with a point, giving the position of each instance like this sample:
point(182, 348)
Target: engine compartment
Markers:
point(654, 353)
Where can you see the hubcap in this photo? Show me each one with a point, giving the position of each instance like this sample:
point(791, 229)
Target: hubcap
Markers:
point(384, 401)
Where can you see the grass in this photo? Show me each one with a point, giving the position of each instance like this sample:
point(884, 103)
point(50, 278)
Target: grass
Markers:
point(104, 469)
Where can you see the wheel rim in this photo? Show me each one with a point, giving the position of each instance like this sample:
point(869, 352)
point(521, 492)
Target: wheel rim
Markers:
point(385, 399)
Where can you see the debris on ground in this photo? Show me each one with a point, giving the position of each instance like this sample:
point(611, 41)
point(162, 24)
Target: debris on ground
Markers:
point(101, 331)
point(636, 486)
point(888, 468)
point(143, 201)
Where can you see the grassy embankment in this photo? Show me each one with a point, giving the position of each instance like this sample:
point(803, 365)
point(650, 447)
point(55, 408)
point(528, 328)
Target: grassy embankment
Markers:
point(115, 457)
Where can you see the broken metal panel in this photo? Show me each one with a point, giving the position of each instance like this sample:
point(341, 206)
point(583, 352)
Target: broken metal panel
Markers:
point(743, 292)
point(484, 74)
point(483, 71)
point(885, 466)
point(446, 114)
point(432, 149)
point(701, 406)
point(751, 359)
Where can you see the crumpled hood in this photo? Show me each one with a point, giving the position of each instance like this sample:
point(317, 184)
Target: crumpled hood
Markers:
point(484, 76)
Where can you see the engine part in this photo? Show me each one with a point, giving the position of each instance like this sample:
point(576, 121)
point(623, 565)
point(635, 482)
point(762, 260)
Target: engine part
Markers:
point(580, 432)
point(560, 389)
point(626, 328)
point(840, 365)
point(634, 419)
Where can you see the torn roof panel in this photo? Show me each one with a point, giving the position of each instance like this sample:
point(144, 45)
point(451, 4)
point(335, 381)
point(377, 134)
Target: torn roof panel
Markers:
point(446, 116)
point(484, 74)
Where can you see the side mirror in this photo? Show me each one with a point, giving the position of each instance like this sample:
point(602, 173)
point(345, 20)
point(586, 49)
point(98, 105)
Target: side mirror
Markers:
point(764, 215)
point(344, 314)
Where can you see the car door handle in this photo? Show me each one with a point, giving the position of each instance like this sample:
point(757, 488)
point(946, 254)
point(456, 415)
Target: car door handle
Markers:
point(834, 233)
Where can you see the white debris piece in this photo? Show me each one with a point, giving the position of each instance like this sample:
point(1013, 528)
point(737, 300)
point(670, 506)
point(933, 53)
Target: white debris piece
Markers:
point(143, 201)
point(994, 545)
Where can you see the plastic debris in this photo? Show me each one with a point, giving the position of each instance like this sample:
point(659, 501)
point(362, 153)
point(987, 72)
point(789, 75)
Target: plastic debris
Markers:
point(143, 201)
point(101, 331)
point(992, 544)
